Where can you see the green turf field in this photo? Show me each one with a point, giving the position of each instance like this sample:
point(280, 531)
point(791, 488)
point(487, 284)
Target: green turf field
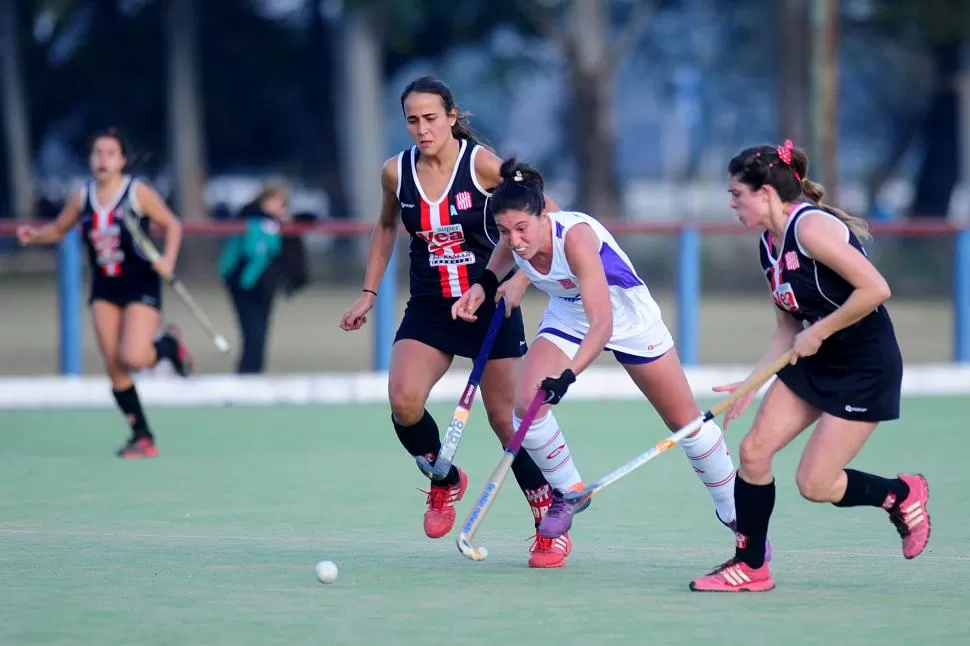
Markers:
point(215, 541)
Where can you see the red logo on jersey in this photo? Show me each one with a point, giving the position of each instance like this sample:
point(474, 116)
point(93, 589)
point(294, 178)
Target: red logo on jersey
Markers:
point(791, 260)
point(567, 283)
point(442, 238)
point(463, 201)
point(781, 293)
point(105, 238)
point(107, 244)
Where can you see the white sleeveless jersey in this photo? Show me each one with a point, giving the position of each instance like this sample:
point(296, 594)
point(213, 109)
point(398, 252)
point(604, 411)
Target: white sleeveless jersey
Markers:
point(635, 313)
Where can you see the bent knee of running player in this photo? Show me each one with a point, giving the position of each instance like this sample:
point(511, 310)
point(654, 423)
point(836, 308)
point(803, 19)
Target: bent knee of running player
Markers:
point(407, 402)
point(138, 354)
point(415, 369)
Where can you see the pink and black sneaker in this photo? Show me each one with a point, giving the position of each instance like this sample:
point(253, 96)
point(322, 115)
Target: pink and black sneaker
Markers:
point(172, 346)
point(141, 447)
point(911, 518)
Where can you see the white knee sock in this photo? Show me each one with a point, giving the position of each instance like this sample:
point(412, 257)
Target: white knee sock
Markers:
point(547, 446)
point(708, 454)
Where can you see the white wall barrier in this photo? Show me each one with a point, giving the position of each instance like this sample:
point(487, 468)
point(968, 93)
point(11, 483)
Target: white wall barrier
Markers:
point(596, 384)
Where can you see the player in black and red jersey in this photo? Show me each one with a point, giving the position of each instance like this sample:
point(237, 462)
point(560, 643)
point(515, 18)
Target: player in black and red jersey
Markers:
point(846, 373)
point(439, 188)
point(126, 289)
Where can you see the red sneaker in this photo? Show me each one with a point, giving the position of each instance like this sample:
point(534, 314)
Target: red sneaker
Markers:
point(440, 516)
point(143, 447)
point(911, 517)
point(550, 552)
point(735, 576)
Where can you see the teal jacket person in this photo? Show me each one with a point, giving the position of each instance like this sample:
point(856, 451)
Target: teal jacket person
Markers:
point(253, 267)
point(253, 255)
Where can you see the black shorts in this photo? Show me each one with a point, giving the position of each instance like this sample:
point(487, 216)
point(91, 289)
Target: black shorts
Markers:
point(861, 384)
point(122, 292)
point(429, 321)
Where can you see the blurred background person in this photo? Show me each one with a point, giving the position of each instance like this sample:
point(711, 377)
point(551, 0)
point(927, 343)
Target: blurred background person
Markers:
point(258, 262)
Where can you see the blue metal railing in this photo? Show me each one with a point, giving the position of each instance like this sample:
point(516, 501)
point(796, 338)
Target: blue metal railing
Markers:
point(961, 297)
point(385, 316)
point(385, 309)
point(688, 293)
point(69, 295)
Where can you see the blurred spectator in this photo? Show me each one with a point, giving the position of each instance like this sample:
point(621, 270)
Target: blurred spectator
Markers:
point(255, 264)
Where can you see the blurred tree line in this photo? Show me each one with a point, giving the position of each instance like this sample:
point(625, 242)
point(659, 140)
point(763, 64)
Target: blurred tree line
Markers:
point(297, 87)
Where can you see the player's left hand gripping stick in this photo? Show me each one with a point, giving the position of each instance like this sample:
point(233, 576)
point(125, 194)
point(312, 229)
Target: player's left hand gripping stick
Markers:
point(446, 454)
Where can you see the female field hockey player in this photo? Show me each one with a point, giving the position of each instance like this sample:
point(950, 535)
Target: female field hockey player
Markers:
point(126, 289)
point(596, 302)
point(846, 371)
point(439, 188)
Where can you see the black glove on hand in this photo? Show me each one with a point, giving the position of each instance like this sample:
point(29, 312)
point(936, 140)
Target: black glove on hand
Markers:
point(556, 387)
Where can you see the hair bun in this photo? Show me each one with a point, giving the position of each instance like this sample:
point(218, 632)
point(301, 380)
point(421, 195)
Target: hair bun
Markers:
point(513, 171)
point(510, 171)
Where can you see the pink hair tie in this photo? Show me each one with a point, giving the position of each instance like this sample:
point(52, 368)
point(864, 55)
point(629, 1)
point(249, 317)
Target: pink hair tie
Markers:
point(785, 155)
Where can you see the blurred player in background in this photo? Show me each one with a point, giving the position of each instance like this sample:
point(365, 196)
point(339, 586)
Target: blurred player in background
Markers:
point(126, 290)
point(596, 301)
point(846, 373)
point(439, 189)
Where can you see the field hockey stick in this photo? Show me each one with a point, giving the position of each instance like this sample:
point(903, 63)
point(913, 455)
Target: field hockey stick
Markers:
point(494, 484)
point(148, 248)
point(754, 382)
point(456, 428)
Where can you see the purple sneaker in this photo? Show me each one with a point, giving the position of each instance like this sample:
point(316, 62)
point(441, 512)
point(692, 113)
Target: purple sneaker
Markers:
point(733, 526)
point(559, 518)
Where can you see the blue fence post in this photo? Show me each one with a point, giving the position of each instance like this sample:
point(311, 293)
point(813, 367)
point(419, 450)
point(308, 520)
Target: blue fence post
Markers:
point(385, 316)
point(961, 296)
point(69, 302)
point(688, 293)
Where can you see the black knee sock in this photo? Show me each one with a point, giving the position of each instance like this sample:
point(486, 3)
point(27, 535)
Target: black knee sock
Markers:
point(532, 483)
point(130, 405)
point(754, 504)
point(867, 490)
point(166, 347)
point(422, 439)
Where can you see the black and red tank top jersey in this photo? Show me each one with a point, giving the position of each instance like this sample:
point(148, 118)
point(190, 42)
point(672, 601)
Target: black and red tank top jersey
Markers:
point(111, 250)
point(809, 290)
point(451, 238)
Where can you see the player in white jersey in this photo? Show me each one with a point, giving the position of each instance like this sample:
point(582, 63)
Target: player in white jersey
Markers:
point(597, 302)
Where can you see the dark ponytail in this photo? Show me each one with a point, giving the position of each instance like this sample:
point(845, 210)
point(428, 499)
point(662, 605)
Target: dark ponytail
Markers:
point(522, 189)
point(461, 129)
point(814, 192)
